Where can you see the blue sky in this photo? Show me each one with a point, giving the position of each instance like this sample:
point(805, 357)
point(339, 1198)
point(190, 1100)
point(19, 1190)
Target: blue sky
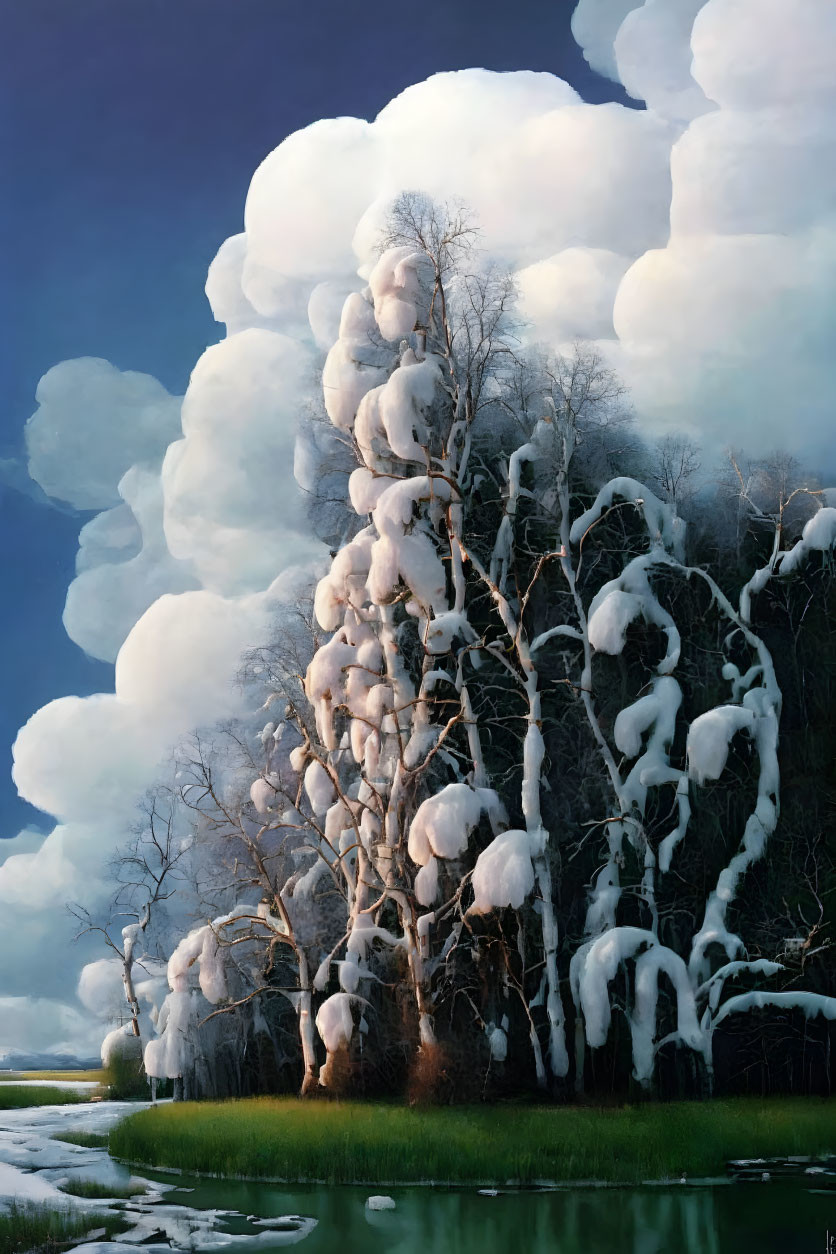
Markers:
point(129, 130)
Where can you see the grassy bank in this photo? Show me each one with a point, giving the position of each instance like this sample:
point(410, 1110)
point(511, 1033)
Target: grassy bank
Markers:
point(34, 1227)
point(88, 1140)
point(341, 1142)
point(81, 1077)
point(99, 1191)
point(15, 1096)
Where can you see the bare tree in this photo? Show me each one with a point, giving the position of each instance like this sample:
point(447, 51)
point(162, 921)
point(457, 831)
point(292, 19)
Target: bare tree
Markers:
point(145, 871)
point(677, 462)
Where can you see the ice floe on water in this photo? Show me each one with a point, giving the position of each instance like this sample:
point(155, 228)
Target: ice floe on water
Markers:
point(49, 1084)
point(34, 1166)
point(380, 1203)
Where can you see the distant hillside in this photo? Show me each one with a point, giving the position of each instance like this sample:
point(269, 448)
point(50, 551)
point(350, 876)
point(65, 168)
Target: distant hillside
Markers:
point(17, 1060)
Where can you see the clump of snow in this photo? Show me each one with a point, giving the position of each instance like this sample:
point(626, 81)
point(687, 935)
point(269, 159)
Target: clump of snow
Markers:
point(658, 706)
point(264, 793)
point(121, 1043)
point(380, 1202)
point(443, 823)
point(345, 583)
point(503, 874)
point(355, 364)
point(811, 1004)
point(665, 528)
point(709, 737)
point(497, 1041)
point(334, 1022)
point(610, 618)
point(398, 292)
point(592, 969)
point(621, 601)
point(320, 787)
point(819, 535)
point(365, 489)
point(426, 882)
point(404, 401)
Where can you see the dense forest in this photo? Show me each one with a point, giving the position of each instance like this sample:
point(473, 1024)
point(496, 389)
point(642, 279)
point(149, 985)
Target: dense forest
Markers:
point(537, 795)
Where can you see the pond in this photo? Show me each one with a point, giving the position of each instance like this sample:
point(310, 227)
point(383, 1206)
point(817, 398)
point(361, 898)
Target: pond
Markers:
point(181, 1212)
point(722, 1219)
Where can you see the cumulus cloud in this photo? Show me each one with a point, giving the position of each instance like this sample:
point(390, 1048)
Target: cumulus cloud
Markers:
point(36, 871)
point(724, 328)
point(691, 240)
point(520, 148)
point(725, 331)
point(92, 423)
point(232, 507)
point(96, 442)
point(653, 57)
point(124, 566)
point(730, 338)
point(766, 54)
point(571, 294)
point(26, 842)
point(595, 24)
point(82, 758)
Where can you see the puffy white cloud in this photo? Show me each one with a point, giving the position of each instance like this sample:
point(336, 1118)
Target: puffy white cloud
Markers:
point(523, 151)
point(178, 666)
point(232, 506)
point(765, 54)
point(325, 309)
point(595, 24)
point(39, 876)
point(83, 758)
point(37, 872)
point(92, 423)
point(300, 200)
point(750, 173)
point(109, 595)
point(726, 330)
point(653, 54)
point(646, 46)
point(730, 336)
point(78, 756)
point(571, 294)
point(112, 536)
point(582, 174)
point(282, 298)
point(24, 842)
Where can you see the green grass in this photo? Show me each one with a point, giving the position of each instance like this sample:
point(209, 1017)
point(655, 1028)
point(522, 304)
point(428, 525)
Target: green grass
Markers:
point(26, 1227)
point(101, 1192)
point(15, 1096)
point(80, 1076)
point(343, 1142)
point(89, 1140)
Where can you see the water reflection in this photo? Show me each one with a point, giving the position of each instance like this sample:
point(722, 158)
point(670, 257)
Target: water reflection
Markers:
point(774, 1218)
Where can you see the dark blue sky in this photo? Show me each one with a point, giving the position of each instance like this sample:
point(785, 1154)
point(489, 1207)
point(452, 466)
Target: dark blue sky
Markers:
point(129, 130)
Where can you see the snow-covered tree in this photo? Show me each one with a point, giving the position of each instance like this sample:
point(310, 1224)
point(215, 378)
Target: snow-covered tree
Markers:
point(146, 873)
point(479, 802)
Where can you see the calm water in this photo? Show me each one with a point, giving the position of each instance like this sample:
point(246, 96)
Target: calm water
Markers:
point(181, 1213)
point(750, 1218)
